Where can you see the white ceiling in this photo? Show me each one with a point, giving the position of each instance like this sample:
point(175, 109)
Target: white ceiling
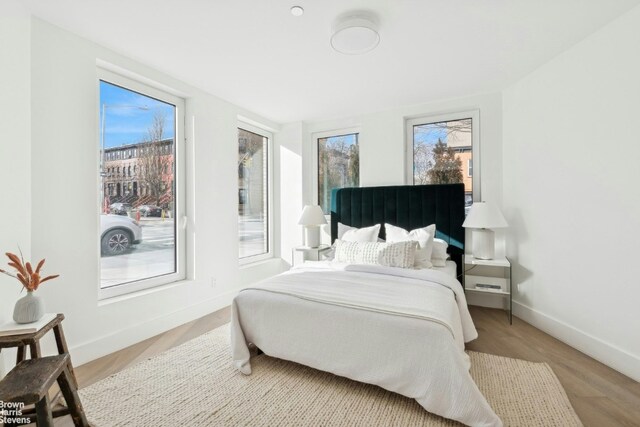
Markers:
point(255, 54)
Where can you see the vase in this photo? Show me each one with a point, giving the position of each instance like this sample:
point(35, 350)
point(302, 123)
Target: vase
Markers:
point(28, 309)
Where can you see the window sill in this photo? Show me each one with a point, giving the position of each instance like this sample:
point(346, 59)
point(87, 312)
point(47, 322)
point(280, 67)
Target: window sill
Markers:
point(255, 259)
point(141, 293)
point(258, 262)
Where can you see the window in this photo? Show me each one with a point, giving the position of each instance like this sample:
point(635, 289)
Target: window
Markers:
point(442, 150)
point(254, 182)
point(139, 252)
point(338, 159)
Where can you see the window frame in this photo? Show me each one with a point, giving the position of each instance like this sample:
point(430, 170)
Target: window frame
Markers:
point(180, 177)
point(315, 136)
point(426, 119)
point(270, 223)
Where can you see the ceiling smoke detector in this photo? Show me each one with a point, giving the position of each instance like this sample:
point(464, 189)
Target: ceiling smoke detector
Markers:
point(355, 33)
point(297, 11)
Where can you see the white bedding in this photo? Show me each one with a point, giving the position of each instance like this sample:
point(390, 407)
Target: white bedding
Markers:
point(403, 330)
point(449, 268)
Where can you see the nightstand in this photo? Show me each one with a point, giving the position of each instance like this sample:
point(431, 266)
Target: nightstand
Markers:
point(309, 254)
point(489, 276)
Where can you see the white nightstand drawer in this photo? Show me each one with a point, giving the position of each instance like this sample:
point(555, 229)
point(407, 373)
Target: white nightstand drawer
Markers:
point(488, 284)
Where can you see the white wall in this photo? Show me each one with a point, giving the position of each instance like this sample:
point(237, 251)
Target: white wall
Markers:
point(382, 141)
point(64, 123)
point(15, 147)
point(382, 150)
point(289, 173)
point(571, 176)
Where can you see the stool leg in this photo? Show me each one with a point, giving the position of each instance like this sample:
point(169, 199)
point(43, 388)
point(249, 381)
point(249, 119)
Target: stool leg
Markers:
point(21, 354)
point(61, 343)
point(70, 393)
point(43, 413)
point(34, 349)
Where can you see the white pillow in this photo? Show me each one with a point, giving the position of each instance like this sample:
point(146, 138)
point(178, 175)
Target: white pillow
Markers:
point(439, 255)
point(401, 254)
point(424, 236)
point(353, 234)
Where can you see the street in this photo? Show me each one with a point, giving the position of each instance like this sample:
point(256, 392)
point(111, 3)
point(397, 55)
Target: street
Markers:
point(154, 256)
point(252, 233)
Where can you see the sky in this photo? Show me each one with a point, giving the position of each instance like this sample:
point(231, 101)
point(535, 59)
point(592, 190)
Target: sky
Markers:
point(349, 139)
point(429, 134)
point(128, 115)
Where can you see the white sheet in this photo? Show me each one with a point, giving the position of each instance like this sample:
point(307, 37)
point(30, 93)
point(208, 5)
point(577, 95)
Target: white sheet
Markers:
point(449, 268)
point(403, 330)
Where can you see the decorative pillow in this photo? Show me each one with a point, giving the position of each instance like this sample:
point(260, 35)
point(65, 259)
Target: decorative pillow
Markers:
point(438, 262)
point(353, 234)
point(424, 236)
point(439, 256)
point(329, 254)
point(401, 254)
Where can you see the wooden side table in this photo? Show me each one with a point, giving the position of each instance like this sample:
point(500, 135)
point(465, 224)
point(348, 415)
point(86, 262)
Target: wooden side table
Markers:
point(29, 383)
point(32, 341)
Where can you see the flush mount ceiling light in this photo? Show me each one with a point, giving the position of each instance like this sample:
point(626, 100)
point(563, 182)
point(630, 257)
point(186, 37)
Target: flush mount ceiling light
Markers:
point(297, 11)
point(355, 33)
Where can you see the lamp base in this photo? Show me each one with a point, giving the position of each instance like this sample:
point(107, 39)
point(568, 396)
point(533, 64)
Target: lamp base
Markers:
point(312, 236)
point(483, 243)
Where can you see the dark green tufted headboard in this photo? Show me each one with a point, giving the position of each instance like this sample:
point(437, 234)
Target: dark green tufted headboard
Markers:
point(406, 206)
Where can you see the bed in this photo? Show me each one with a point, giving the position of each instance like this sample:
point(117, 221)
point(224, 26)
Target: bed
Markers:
point(401, 329)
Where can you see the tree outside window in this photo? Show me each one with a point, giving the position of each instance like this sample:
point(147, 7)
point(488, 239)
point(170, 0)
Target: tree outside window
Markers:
point(253, 194)
point(338, 166)
point(443, 154)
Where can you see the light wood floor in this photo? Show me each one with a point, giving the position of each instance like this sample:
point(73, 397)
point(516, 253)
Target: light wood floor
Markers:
point(601, 396)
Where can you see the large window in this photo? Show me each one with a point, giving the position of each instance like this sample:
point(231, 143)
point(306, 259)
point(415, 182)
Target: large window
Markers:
point(254, 214)
point(338, 166)
point(442, 151)
point(141, 191)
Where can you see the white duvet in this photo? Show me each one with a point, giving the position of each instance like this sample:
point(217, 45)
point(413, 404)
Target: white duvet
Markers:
point(403, 330)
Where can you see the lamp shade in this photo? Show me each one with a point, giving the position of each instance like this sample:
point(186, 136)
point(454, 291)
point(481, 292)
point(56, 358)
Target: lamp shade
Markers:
point(312, 215)
point(484, 215)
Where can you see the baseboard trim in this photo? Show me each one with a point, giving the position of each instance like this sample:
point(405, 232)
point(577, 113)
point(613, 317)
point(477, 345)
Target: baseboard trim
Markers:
point(117, 340)
point(612, 356)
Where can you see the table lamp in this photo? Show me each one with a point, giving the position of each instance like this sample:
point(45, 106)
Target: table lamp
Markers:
point(481, 218)
point(312, 218)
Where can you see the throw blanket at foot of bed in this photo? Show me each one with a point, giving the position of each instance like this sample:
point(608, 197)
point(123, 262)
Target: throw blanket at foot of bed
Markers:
point(402, 330)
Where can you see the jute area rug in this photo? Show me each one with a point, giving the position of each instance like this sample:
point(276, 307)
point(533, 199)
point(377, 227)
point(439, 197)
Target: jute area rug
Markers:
point(195, 385)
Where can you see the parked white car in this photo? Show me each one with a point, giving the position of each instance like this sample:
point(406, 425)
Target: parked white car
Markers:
point(118, 234)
